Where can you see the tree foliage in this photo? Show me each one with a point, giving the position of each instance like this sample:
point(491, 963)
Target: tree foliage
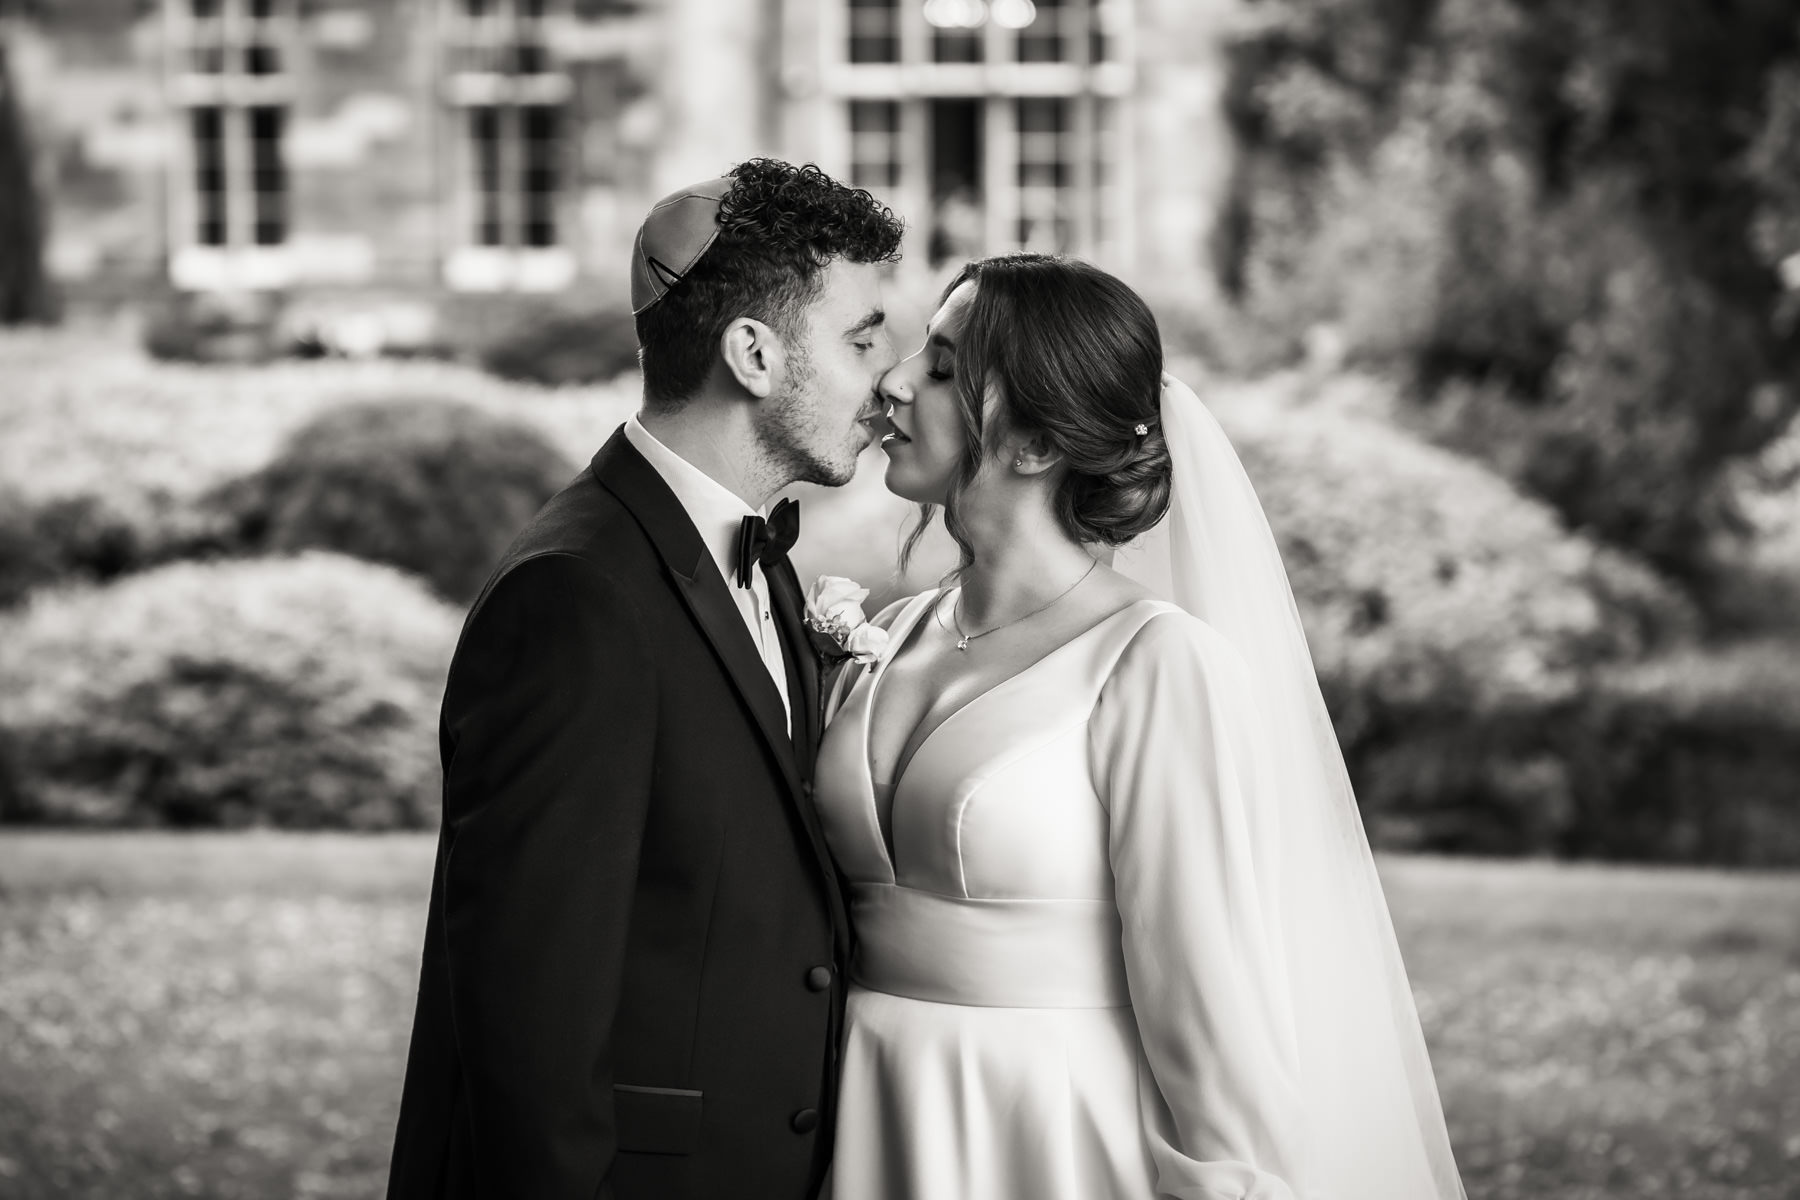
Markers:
point(1569, 223)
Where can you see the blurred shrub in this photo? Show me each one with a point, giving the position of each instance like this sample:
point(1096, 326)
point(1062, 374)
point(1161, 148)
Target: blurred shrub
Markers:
point(96, 537)
point(25, 562)
point(556, 346)
point(437, 488)
point(364, 325)
point(170, 331)
point(1756, 590)
point(1448, 616)
point(210, 327)
point(1428, 573)
point(292, 692)
point(1568, 223)
point(1500, 685)
point(1689, 757)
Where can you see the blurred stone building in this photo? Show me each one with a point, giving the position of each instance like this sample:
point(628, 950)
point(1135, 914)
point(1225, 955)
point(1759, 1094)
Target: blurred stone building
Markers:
point(411, 148)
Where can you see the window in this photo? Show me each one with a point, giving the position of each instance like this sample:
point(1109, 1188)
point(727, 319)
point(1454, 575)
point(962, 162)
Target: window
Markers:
point(512, 96)
point(268, 176)
point(1044, 40)
point(541, 133)
point(500, 37)
point(211, 205)
point(874, 143)
point(484, 138)
point(230, 76)
point(1045, 174)
point(1106, 30)
point(1003, 127)
point(874, 31)
point(956, 45)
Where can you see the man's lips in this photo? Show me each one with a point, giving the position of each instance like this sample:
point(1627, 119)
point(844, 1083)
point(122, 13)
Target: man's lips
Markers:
point(874, 424)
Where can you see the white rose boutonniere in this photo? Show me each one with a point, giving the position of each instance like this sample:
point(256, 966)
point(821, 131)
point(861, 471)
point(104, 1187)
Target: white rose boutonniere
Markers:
point(837, 624)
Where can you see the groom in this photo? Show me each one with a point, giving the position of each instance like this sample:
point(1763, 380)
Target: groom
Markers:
point(632, 980)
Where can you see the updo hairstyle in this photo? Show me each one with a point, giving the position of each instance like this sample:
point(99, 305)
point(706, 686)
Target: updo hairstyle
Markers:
point(1074, 356)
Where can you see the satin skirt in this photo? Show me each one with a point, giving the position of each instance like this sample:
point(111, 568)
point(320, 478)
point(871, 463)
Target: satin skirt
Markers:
point(973, 1071)
point(955, 1102)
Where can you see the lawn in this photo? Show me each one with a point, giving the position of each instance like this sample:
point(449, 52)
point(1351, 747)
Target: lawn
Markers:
point(226, 1016)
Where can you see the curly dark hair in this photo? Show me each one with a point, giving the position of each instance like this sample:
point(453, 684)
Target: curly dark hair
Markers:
point(779, 227)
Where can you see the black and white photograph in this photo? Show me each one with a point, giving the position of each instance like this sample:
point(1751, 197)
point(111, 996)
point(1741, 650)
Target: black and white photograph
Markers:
point(899, 600)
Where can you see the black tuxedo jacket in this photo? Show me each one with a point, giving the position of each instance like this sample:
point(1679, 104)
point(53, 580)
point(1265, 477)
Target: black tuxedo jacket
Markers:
point(632, 980)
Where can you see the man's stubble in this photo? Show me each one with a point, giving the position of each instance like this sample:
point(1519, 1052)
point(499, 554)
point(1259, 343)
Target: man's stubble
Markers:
point(794, 436)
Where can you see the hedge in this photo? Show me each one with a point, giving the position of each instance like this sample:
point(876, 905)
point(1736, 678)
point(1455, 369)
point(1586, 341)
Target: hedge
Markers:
point(1689, 757)
point(434, 487)
point(99, 536)
point(557, 347)
point(1449, 617)
point(298, 692)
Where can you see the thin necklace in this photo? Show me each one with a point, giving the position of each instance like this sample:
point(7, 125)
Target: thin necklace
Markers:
point(963, 639)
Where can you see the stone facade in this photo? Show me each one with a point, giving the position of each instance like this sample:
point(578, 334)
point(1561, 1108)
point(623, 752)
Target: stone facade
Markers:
point(323, 148)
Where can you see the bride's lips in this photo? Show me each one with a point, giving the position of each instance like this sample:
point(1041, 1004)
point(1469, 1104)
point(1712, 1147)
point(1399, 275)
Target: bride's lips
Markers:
point(895, 434)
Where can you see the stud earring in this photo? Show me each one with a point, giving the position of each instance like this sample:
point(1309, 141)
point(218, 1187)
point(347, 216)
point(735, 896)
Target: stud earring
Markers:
point(1018, 462)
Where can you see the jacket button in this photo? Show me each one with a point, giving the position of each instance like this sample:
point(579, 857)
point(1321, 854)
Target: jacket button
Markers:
point(806, 1120)
point(818, 979)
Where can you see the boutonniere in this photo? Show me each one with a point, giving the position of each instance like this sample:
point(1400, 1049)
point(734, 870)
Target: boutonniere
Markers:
point(837, 625)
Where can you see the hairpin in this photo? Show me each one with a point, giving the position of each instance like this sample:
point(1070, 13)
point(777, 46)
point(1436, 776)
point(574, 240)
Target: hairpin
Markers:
point(1141, 429)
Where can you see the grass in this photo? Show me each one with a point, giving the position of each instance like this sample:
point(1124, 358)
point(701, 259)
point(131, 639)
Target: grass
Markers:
point(204, 1016)
point(226, 1016)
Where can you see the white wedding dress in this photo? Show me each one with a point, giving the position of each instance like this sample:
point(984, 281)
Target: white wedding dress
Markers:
point(1064, 987)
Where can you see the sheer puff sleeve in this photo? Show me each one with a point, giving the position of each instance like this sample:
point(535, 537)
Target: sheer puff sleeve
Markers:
point(1175, 748)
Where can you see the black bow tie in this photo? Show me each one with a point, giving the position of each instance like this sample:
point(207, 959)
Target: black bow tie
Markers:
point(766, 542)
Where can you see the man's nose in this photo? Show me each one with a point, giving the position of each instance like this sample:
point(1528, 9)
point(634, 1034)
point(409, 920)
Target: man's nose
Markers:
point(890, 358)
point(892, 388)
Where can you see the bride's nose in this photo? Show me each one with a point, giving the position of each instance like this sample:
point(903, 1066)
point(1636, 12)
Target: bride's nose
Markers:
point(893, 387)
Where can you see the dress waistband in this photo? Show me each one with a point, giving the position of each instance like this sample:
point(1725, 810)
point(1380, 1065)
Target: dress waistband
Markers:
point(987, 953)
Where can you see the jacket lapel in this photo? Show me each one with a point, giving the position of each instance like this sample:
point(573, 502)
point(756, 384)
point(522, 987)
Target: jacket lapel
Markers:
point(625, 473)
point(789, 604)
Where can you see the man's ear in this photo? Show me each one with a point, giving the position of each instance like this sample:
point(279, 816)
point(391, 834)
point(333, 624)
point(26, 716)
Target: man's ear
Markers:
point(753, 355)
point(1032, 455)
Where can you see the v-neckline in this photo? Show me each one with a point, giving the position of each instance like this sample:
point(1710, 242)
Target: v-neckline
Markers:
point(921, 607)
point(902, 765)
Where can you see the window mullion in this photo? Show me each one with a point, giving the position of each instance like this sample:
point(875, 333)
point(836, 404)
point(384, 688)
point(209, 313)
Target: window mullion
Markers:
point(512, 173)
point(1000, 171)
point(1084, 202)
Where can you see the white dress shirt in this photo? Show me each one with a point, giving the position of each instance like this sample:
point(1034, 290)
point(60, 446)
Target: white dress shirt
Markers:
point(717, 512)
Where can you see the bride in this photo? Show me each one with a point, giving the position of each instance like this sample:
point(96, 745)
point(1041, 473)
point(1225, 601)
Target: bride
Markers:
point(1119, 932)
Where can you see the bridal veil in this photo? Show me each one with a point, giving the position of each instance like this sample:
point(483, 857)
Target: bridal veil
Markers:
point(1372, 1122)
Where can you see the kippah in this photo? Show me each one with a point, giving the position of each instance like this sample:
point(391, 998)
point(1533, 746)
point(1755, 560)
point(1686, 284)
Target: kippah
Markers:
point(672, 238)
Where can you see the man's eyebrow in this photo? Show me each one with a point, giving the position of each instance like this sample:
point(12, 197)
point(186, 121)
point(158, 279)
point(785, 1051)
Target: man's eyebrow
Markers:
point(874, 320)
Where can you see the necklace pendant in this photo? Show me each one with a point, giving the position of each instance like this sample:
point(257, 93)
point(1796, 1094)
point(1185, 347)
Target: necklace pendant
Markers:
point(962, 643)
